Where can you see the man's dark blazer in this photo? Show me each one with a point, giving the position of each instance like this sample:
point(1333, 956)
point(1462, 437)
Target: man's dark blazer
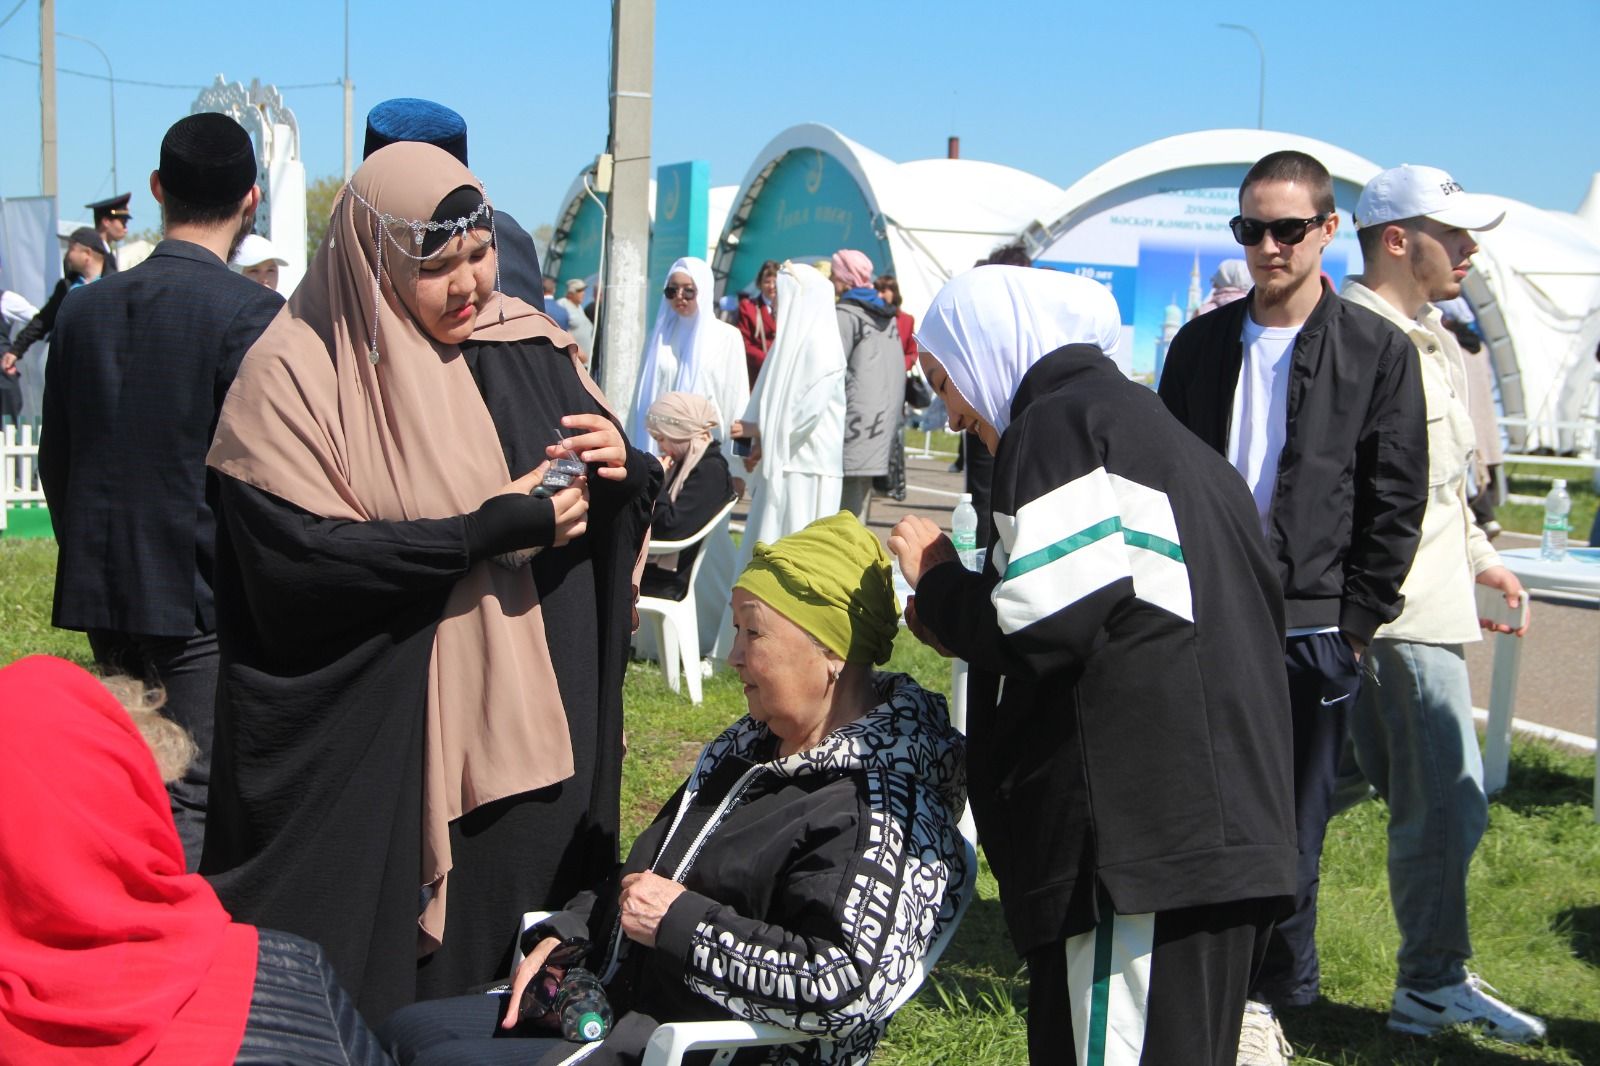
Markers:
point(139, 364)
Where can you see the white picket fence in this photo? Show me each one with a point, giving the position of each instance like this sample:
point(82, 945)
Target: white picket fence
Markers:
point(19, 460)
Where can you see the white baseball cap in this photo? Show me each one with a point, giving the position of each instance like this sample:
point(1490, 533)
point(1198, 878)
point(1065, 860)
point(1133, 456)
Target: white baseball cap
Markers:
point(255, 250)
point(1409, 191)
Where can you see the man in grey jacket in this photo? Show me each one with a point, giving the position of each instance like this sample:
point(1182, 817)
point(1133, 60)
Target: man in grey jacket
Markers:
point(874, 384)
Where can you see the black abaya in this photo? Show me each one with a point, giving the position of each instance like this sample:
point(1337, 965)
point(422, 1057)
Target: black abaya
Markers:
point(326, 629)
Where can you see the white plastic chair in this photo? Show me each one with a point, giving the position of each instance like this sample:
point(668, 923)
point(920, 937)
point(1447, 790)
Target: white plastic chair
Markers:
point(677, 628)
point(671, 1041)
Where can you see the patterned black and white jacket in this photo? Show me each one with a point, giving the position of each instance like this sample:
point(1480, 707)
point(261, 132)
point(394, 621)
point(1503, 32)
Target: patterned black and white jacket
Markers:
point(814, 882)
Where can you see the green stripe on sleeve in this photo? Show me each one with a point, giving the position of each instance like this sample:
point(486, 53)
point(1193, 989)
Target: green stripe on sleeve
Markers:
point(1051, 552)
point(1151, 542)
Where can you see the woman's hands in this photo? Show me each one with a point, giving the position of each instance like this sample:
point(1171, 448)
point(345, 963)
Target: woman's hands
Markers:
point(919, 545)
point(597, 441)
point(643, 903)
point(525, 973)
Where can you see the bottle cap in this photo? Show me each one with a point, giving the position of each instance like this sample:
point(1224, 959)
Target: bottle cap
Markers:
point(1560, 482)
point(591, 1026)
point(966, 497)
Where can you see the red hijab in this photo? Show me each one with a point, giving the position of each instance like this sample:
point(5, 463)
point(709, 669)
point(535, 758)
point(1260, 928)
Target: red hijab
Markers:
point(109, 952)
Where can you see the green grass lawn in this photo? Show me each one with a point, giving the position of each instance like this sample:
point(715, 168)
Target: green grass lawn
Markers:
point(1535, 886)
point(1529, 479)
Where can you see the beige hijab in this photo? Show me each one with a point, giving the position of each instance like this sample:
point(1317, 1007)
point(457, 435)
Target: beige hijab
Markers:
point(683, 418)
point(312, 420)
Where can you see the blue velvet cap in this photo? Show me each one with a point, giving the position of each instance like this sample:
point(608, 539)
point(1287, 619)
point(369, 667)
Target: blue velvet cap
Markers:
point(409, 119)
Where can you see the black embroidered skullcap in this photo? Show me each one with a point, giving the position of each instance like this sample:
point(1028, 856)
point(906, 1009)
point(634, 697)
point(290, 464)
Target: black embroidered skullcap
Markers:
point(90, 239)
point(207, 160)
point(409, 119)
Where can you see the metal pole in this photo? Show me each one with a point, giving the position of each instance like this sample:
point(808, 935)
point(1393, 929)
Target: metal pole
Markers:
point(47, 97)
point(349, 94)
point(628, 206)
point(111, 86)
point(1261, 89)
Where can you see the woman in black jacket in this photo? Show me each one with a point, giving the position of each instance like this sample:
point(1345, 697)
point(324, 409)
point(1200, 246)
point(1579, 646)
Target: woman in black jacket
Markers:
point(698, 486)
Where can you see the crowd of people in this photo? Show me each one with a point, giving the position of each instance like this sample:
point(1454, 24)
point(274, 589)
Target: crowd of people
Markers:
point(340, 540)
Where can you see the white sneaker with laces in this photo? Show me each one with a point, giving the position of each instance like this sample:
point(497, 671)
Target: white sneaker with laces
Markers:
point(1261, 1039)
point(1467, 1003)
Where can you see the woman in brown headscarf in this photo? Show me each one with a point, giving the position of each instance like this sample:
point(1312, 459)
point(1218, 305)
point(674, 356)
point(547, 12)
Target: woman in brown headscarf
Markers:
point(419, 727)
point(698, 485)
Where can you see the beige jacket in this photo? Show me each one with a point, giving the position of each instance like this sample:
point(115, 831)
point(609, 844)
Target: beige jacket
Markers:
point(1440, 606)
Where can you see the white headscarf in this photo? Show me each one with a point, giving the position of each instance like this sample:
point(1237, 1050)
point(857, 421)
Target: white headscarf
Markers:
point(685, 335)
point(805, 351)
point(989, 325)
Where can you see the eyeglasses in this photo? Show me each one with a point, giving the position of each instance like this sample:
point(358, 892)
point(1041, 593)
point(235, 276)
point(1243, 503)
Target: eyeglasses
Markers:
point(539, 998)
point(672, 292)
point(1249, 231)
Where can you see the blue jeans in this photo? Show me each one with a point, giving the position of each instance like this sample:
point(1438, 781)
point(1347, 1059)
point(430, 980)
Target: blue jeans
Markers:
point(1414, 740)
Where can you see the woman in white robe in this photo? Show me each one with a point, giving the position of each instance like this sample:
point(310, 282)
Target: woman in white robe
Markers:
point(796, 415)
point(691, 350)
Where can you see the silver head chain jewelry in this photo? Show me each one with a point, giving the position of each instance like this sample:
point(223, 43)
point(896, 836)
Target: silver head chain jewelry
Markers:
point(407, 236)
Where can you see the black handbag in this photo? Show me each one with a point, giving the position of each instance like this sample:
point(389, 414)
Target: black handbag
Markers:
point(918, 394)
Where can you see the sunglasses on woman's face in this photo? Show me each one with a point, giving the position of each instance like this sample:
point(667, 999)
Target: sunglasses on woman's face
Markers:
point(672, 292)
point(1249, 231)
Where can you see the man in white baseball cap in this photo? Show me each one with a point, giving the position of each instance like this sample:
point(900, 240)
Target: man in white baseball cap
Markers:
point(258, 260)
point(1412, 730)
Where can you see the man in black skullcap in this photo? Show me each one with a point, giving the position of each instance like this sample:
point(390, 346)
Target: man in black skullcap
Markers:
point(111, 222)
point(139, 366)
point(409, 119)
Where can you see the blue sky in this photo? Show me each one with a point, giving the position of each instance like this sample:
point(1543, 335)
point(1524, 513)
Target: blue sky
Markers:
point(1503, 95)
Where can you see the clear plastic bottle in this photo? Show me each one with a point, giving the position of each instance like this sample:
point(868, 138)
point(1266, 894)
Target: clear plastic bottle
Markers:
point(964, 531)
point(585, 1011)
point(1557, 509)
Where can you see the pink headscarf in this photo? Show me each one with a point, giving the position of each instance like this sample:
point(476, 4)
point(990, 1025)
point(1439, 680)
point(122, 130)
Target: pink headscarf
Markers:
point(852, 268)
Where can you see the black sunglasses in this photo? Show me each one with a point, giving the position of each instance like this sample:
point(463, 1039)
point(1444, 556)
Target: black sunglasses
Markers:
point(671, 291)
point(1249, 231)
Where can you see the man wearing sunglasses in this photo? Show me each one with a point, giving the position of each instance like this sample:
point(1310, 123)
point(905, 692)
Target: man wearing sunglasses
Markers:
point(1413, 731)
point(1318, 403)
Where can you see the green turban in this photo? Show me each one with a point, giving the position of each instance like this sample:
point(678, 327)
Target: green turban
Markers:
point(832, 579)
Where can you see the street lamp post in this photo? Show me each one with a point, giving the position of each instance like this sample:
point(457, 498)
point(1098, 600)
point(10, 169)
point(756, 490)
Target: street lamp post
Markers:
point(1261, 100)
point(111, 87)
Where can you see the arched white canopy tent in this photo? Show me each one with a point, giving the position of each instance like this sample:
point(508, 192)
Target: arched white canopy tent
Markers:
point(812, 191)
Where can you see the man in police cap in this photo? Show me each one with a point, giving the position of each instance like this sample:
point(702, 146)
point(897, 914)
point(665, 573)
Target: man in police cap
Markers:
point(138, 370)
point(111, 219)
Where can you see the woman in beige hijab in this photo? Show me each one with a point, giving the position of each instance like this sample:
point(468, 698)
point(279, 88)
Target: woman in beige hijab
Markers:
point(419, 717)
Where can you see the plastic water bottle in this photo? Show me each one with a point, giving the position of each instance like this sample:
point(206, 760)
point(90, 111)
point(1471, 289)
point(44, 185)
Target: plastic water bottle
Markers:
point(585, 1011)
point(964, 531)
point(1557, 508)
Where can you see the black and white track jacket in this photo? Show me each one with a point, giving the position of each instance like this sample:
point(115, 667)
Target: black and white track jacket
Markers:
point(1140, 747)
point(814, 882)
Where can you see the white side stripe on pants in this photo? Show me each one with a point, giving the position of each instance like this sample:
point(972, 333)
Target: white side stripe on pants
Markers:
point(1108, 971)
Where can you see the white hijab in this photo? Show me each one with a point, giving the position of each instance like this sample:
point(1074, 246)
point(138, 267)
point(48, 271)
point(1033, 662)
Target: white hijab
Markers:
point(989, 325)
point(805, 350)
point(686, 338)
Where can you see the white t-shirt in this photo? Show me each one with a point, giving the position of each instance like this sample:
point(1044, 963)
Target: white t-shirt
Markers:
point(1261, 409)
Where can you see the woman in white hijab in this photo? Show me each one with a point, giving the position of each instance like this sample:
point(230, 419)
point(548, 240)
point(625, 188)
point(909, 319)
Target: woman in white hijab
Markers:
point(691, 350)
point(796, 415)
point(1130, 606)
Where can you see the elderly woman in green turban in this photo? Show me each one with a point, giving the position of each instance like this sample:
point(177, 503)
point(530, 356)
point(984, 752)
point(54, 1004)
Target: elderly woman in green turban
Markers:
point(810, 858)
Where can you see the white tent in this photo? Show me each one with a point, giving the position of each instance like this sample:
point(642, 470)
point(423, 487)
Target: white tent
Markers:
point(812, 191)
point(1535, 287)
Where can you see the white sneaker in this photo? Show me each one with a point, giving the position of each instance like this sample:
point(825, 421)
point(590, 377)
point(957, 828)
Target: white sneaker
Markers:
point(1467, 1003)
point(1261, 1039)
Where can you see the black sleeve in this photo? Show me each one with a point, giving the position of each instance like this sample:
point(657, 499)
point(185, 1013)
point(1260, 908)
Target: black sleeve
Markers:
point(42, 323)
point(54, 446)
point(1391, 492)
point(333, 575)
point(703, 495)
point(1173, 388)
point(246, 327)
